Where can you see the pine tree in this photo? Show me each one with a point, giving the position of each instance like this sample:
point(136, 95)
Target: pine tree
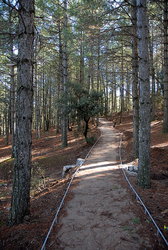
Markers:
point(20, 206)
point(165, 68)
point(144, 100)
point(135, 80)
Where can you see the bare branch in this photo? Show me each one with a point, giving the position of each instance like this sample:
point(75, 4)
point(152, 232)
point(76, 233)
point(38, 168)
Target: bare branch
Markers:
point(13, 7)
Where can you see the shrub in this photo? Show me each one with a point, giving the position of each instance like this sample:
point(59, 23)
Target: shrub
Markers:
point(91, 140)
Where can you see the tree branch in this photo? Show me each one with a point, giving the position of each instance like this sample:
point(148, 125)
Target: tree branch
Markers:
point(13, 7)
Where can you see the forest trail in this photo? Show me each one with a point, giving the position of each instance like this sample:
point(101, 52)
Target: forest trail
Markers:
point(100, 214)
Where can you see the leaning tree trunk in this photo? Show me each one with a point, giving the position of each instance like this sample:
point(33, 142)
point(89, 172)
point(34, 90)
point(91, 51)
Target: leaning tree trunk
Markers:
point(165, 68)
point(144, 105)
point(20, 206)
point(135, 91)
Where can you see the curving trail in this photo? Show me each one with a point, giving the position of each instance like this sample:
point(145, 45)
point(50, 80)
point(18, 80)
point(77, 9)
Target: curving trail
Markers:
point(100, 215)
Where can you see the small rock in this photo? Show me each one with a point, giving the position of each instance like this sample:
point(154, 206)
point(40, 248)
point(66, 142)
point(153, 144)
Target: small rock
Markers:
point(133, 168)
point(66, 169)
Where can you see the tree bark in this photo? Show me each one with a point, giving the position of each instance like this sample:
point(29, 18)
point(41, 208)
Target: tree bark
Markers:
point(64, 78)
point(152, 74)
point(20, 206)
point(165, 68)
point(122, 102)
point(45, 96)
point(6, 119)
point(12, 89)
point(37, 103)
point(59, 77)
point(135, 87)
point(86, 119)
point(144, 105)
point(82, 64)
point(127, 91)
point(114, 97)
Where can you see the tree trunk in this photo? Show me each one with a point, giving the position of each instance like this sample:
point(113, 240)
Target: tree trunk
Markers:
point(37, 104)
point(82, 65)
point(86, 119)
point(92, 68)
point(152, 73)
point(98, 72)
point(12, 89)
point(114, 97)
point(122, 102)
point(59, 77)
point(6, 119)
point(165, 68)
point(144, 105)
point(0, 125)
point(64, 78)
point(50, 106)
point(135, 90)
point(127, 102)
point(44, 94)
point(20, 206)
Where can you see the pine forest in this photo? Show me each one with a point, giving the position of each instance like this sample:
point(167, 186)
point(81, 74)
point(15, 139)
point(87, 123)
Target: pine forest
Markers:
point(83, 81)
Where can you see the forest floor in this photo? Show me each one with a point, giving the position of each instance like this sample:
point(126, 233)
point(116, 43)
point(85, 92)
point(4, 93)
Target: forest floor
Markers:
point(155, 198)
point(48, 187)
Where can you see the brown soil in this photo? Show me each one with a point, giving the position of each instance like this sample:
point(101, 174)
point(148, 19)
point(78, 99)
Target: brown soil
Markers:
point(47, 186)
point(154, 198)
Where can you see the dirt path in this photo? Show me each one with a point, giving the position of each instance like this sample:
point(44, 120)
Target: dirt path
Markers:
point(100, 214)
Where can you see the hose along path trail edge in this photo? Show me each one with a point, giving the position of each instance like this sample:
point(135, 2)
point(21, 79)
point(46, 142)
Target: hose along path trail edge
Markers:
point(100, 215)
point(146, 211)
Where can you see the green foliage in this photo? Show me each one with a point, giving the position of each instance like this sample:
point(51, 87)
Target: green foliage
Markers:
point(128, 228)
point(87, 104)
point(91, 140)
point(136, 220)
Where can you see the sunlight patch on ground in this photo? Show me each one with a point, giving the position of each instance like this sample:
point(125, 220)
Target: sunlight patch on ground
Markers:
point(98, 169)
point(110, 146)
point(2, 159)
point(103, 163)
point(160, 145)
point(6, 147)
point(95, 175)
point(155, 123)
point(125, 166)
point(75, 140)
